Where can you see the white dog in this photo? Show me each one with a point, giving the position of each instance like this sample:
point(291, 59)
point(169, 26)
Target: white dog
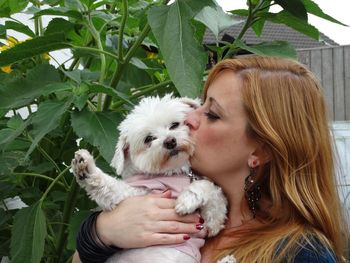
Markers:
point(152, 155)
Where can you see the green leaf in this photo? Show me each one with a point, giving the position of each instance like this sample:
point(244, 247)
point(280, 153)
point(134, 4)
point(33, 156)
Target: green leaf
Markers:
point(2, 31)
point(59, 11)
point(313, 8)
point(33, 47)
point(28, 235)
point(184, 57)
point(295, 7)
point(259, 24)
point(274, 48)
point(20, 92)
point(75, 5)
point(9, 161)
point(5, 10)
point(47, 118)
point(55, 26)
point(240, 12)
point(19, 28)
point(8, 135)
point(74, 226)
point(286, 18)
point(17, 5)
point(99, 88)
point(216, 19)
point(99, 129)
point(80, 75)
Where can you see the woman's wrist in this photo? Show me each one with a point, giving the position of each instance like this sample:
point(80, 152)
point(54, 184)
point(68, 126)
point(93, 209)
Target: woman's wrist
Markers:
point(101, 222)
point(89, 245)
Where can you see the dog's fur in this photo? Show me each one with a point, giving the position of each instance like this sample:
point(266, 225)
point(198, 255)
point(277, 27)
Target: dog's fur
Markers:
point(153, 141)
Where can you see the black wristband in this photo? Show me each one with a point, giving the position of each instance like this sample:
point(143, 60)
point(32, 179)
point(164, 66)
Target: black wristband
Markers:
point(89, 246)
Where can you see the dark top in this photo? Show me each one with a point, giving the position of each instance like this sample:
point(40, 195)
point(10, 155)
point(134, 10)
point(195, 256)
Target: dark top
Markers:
point(314, 254)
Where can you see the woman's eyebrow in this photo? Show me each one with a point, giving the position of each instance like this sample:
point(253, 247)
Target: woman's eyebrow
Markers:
point(215, 103)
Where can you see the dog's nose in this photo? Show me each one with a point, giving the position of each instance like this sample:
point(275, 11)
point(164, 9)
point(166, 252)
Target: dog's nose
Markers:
point(169, 143)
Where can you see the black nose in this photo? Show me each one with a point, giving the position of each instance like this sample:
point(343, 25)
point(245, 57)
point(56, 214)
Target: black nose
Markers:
point(169, 143)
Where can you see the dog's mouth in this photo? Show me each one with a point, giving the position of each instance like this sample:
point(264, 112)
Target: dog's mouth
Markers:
point(173, 152)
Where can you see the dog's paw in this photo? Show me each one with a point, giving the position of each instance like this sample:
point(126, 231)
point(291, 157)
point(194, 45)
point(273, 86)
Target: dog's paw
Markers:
point(187, 203)
point(227, 259)
point(83, 164)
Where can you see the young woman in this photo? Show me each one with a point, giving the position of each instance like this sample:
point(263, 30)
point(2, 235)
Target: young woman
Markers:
point(262, 135)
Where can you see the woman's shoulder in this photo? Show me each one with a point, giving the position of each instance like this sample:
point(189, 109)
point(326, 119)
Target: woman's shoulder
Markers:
point(314, 253)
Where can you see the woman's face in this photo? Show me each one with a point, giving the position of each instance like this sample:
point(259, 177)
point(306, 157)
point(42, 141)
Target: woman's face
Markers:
point(218, 129)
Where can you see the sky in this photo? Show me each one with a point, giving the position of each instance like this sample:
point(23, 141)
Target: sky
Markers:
point(338, 9)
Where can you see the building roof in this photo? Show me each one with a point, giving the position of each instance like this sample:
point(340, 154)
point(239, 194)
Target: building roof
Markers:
point(272, 32)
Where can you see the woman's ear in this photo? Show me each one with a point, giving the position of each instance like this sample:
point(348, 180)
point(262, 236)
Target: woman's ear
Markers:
point(259, 156)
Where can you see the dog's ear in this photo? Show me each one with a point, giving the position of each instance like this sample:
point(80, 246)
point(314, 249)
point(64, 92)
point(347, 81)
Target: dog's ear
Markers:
point(121, 154)
point(193, 103)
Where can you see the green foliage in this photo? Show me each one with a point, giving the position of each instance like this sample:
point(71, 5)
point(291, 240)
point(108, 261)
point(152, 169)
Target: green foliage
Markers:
point(121, 51)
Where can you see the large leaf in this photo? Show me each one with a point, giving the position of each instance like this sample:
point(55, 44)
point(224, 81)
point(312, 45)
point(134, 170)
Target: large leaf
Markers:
point(47, 118)
point(216, 19)
point(294, 22)
point(74, 226)
point(259, 24)
point(28, 235)
point(274, 48)
point(295, 7)
point(33, 47)
point(21, 91)
point(19, 28)
point(183, 55)
point(17, 5)
point(8, 135)
point(99, 129)
point(59, 11)
point(9, 161)
point(313, 8)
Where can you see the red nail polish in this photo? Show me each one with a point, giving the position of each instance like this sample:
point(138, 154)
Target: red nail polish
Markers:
point(201, 220)
point(186, 237)
point(199, 226)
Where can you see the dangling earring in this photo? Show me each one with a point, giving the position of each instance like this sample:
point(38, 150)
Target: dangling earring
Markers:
point(252, 191)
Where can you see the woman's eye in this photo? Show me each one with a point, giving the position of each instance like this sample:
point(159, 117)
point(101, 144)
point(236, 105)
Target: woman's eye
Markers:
point(211, 116)
point(174, 125)
point(149, 138)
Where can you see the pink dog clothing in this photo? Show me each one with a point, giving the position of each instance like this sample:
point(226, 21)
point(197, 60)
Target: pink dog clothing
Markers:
point(176, 183)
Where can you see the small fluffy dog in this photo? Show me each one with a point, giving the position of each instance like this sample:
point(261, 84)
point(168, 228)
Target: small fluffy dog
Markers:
point(152, 155)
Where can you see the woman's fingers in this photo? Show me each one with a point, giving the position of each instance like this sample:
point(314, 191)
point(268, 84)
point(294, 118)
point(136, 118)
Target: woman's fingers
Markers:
point(171, 215)
point(165, 239)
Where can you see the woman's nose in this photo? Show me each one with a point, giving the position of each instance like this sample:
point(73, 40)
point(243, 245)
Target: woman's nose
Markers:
point(192, 120)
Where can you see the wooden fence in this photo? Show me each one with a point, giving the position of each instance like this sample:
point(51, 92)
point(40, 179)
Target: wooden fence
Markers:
point(332, 66)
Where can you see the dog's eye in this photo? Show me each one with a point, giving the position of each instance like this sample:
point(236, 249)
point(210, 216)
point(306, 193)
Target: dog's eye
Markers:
point(174, 125)
point(149, 138)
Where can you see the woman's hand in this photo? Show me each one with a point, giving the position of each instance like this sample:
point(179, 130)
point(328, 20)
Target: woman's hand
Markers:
point(145, 221)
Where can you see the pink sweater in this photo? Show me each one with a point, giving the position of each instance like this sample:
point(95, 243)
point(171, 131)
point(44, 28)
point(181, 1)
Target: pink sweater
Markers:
point(177, 184)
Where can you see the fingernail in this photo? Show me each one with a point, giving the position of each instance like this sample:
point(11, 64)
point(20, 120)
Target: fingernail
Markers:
point(165, 191)
point(201, 220)
point(186, 237)
point(199, 226)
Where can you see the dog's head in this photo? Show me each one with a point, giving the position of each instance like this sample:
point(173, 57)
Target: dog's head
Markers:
point(153, 138)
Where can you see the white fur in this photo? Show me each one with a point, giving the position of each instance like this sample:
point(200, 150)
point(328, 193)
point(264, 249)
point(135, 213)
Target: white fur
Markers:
point(156, 117)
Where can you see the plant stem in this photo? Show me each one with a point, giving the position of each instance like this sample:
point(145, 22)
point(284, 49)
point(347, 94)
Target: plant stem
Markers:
point(121, 30)
point(121, 65)
point(58, 177)
point(96, 36)
point(143, 92)
point(40, 176)
point(48, 157)
point(246, 26)
point(67, 213)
